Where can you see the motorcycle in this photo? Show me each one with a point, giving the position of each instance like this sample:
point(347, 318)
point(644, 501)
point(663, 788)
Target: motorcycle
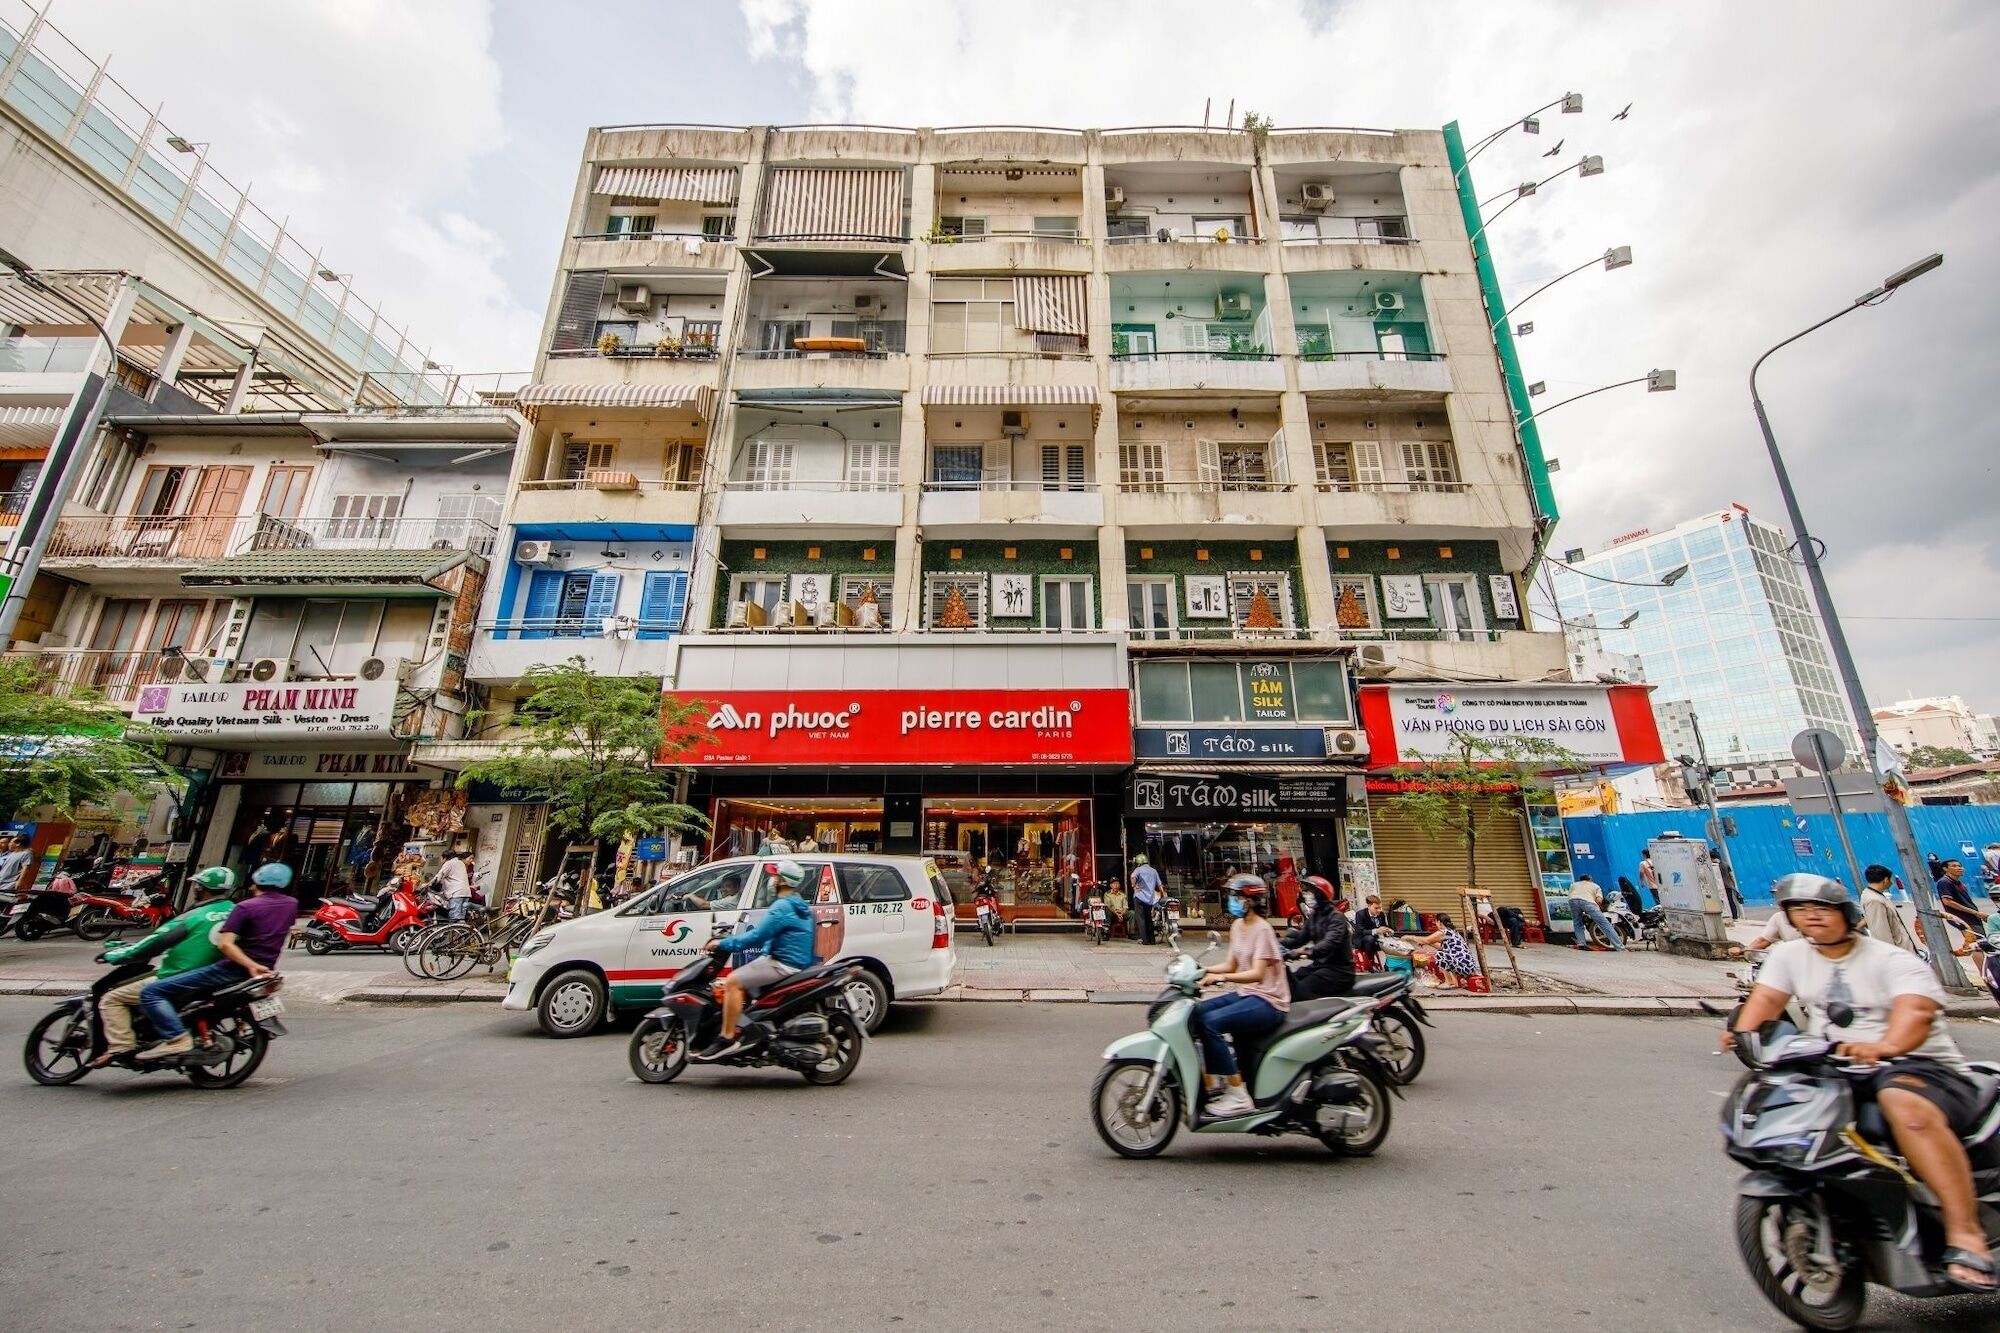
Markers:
point(97, 915)
point(1642, 929)
point(800, 1023)
point(1318, 1073)
point(1829, 1205)
point(363, 921)
point(1397, 1014)
point(42, 912)
point(232, 1031)
point(1096, 921)
point(986, 906)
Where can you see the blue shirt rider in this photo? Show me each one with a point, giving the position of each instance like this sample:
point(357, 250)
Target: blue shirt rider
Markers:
point(786, 936)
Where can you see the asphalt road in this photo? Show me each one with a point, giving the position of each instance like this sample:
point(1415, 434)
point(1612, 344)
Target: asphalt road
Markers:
point(446, 1167)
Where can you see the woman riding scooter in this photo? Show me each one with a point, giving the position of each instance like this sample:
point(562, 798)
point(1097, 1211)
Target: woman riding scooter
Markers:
point(1262, 994)
point(1325, 938)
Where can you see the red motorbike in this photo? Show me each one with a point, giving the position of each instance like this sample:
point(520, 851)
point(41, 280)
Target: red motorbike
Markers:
point(97, 915)
point(370, 921)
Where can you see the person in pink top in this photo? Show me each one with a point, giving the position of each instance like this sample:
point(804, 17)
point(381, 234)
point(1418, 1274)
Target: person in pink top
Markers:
point(1260, 995)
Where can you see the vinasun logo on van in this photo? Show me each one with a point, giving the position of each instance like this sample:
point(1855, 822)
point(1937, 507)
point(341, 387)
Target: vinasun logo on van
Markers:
point(676, 930)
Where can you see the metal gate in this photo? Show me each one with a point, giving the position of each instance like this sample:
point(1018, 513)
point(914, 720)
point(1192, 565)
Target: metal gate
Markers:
point(1429, 869)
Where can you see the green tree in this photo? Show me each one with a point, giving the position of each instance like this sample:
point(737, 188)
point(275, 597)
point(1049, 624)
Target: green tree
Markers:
point(1939, 756)
point(589, 745)
point(1452, 797)
point(69, 751)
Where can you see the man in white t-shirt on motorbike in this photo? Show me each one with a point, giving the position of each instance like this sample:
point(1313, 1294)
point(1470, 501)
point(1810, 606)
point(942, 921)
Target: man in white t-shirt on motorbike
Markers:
point(1881, 1004)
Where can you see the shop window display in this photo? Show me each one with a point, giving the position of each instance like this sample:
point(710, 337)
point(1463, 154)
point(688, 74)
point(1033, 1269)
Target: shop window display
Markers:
point(776, 824)
point(1038, 851)
point(1195, 861)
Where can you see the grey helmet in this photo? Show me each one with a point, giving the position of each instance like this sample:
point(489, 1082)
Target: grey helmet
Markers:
point(1810, 888)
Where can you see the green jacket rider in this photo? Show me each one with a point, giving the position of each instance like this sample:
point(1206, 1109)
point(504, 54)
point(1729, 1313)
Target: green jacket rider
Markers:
point(193, 945)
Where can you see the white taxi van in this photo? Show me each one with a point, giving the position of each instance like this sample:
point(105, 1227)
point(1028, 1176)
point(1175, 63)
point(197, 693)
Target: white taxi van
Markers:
point(895, 919)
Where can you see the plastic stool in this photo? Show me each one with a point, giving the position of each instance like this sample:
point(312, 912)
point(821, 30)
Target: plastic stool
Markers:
point(1534, 935)
point(1397, 964)
point(1477, 985)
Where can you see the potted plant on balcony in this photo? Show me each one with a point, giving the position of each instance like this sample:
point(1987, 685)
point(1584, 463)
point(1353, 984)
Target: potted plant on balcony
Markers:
point(667, 346)
point(937, 235)
point(610, 345)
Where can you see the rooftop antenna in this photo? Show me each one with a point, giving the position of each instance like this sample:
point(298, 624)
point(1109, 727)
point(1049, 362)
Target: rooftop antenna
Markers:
point(1207, 103)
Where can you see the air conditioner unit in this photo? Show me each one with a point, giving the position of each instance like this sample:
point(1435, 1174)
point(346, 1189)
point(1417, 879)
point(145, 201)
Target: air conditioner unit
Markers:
point(1013, 423)
point(1388, 301)
point(268, 670)
point(196, 670)
point(1317, 196)
point(1347, 742)
point(1232, 305)
point(1114, 195)
point(406, 669)
point(1376, 659)
point(373, 668)
point(635, 297)
point(867, 301)
point(534, 553)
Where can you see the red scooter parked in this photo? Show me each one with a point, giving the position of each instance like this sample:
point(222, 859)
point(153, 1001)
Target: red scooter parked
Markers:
point(97, 915)
point(368, 921)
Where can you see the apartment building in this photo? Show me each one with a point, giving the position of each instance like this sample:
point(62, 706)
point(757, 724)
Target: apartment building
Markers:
point(277, 540)
point(959, 469)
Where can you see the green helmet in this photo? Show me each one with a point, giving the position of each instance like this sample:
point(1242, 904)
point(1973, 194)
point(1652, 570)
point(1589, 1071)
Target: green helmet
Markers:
point(215, 879)
point(791, 875)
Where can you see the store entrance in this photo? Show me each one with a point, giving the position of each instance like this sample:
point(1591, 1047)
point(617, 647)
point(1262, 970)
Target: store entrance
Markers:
point(777, 824)
point(1037, 849)
point(325, 831)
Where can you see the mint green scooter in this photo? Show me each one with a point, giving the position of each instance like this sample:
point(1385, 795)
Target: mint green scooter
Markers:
point(1316, 1074)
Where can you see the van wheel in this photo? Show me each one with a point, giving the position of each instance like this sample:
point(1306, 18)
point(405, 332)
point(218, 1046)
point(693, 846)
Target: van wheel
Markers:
point(572, 1005)
point(868, 1000)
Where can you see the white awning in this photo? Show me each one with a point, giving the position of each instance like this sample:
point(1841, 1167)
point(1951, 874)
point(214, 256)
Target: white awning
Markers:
point(701, 185)
point(834, 202)
point(29, 427)
point(699, 397)
point(1051, 304)
point(1009, 395)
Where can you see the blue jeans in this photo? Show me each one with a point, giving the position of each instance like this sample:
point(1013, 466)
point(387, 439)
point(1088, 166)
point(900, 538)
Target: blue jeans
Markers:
point(1579, 908)
point(454, 908)
point(1220, 1015)
point(162, 1000)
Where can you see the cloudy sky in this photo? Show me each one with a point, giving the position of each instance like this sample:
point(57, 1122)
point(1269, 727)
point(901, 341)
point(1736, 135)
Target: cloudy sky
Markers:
point(1779, 159)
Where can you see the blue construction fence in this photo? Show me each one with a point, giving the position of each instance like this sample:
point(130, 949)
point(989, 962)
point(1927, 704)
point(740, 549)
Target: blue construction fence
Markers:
point(1773, 840)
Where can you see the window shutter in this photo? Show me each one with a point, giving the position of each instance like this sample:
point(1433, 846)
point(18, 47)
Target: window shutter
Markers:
point(576, 318)
point(1208, 463)
point(544, 602)
point(603, 601)
point(1052, 467)
point(1073, 456)
point(663, 603)
point(1368, 463)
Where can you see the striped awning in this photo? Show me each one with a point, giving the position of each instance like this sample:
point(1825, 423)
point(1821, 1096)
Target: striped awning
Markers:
point(28, 427)
point(699, 397)
point(1050, 304)
point(1010, 395)
point(701, 185)
point(833, 202)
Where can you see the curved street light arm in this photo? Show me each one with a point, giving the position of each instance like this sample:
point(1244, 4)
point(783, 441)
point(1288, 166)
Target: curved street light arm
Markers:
point(1500, 133)
point(1519, 196)
point(1536, 416)
point(1595, 259)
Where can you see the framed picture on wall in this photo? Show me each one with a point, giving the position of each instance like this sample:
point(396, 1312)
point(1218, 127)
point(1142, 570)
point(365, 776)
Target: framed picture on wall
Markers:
point(1403, 597)
point(1013, 595)
point(1505, 605)
point(1207, 597)
point(809, 590)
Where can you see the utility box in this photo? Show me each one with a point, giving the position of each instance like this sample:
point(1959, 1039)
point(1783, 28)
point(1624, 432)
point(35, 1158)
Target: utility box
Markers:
point(1691, 892)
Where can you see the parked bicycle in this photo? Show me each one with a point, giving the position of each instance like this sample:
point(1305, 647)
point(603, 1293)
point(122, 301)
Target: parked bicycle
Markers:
point(449, 951)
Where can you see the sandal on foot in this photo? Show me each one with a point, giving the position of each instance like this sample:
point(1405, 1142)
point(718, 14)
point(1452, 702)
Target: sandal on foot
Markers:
point(1978, 1263)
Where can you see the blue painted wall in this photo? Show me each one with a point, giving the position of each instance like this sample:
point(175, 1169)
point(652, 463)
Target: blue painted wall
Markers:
point(1763, 848)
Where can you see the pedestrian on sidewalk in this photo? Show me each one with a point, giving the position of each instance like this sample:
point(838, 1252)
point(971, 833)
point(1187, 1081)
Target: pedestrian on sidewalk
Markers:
point(1649, 875)
point(1369, 923)
point(1729, 893)
point(1955, 897)
point(1586, 909)
point(1146, 893)
point(1445, 951)
point(1878, 911)
point(454, 877)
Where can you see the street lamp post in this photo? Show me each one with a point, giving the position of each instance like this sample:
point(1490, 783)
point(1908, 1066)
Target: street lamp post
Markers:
point(1922, 894)
point(1617, 257)
point(1656, 381)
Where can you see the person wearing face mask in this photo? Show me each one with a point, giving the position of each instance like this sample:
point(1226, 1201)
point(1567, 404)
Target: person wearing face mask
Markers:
point(1325, 939)
point(1260, 995)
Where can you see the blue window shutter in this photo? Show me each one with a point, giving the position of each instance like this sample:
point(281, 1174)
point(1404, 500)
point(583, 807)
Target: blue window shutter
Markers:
point(603, 602)
point(663, 604)
point(544, 601)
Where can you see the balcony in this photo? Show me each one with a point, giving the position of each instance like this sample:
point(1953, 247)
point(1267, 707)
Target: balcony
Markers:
point(501, 654)
point(1139, 372)
point(653, 250)
point(1371, 374)
point(115, 675)
point(786, 506)
point(84, 541)
point(1071, 510)
point(1263, 509)
point(46, 356)
point(605, 495)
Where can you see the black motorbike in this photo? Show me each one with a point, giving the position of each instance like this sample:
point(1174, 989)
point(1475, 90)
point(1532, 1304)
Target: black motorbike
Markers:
point(800, 1023)
point(1829, 1205)
point(232, 1030)
point(1398, 1013)
point(42, 913)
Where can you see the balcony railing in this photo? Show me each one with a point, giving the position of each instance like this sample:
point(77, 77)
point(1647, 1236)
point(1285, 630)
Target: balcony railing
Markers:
point(1395, 487)
point(787, 484)
point(611, 479)
point(1257, 354)
point(573, 627)
point(12, 505)
point(1161, 235)
point(191, 539)
point(36, 356)
point(1145, 486)
point(1371, 356)
point(1198, 633)
point(1007, 234)
point(875, 340)
point(657, 234)
point(115, 675)
point(1013, 485)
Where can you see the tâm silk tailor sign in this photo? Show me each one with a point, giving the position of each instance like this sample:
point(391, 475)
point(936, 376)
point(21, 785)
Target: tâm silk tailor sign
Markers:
point(909, 727)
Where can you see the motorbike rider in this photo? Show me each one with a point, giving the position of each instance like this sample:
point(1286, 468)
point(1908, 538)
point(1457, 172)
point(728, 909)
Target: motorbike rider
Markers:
point(1893, 1010)
point(251, 940)
point(191, 935)
point(786, 935)
point(1325, 938)
point(1262, 994)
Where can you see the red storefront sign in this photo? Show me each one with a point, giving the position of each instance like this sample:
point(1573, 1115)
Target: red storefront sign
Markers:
point(1603, 726)
point(907, 727)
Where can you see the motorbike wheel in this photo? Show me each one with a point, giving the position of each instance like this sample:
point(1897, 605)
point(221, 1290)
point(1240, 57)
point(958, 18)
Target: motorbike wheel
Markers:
point(1113, 1108)
point(847, 1038)
point(319, 946)
point(987, 931)
point(1345, 1136)
point(401, 940)
point(1760, 1239)
point(1405, 1056)
point(95, 924)
point(58, 1049)
point(251, 1044)
point(659, 1050)
point(32, 928)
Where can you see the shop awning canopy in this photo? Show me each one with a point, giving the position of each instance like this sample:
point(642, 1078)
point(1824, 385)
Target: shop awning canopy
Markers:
point(351, 573)
point(1009, 395)
point(698, 397)
point(1276, 770)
